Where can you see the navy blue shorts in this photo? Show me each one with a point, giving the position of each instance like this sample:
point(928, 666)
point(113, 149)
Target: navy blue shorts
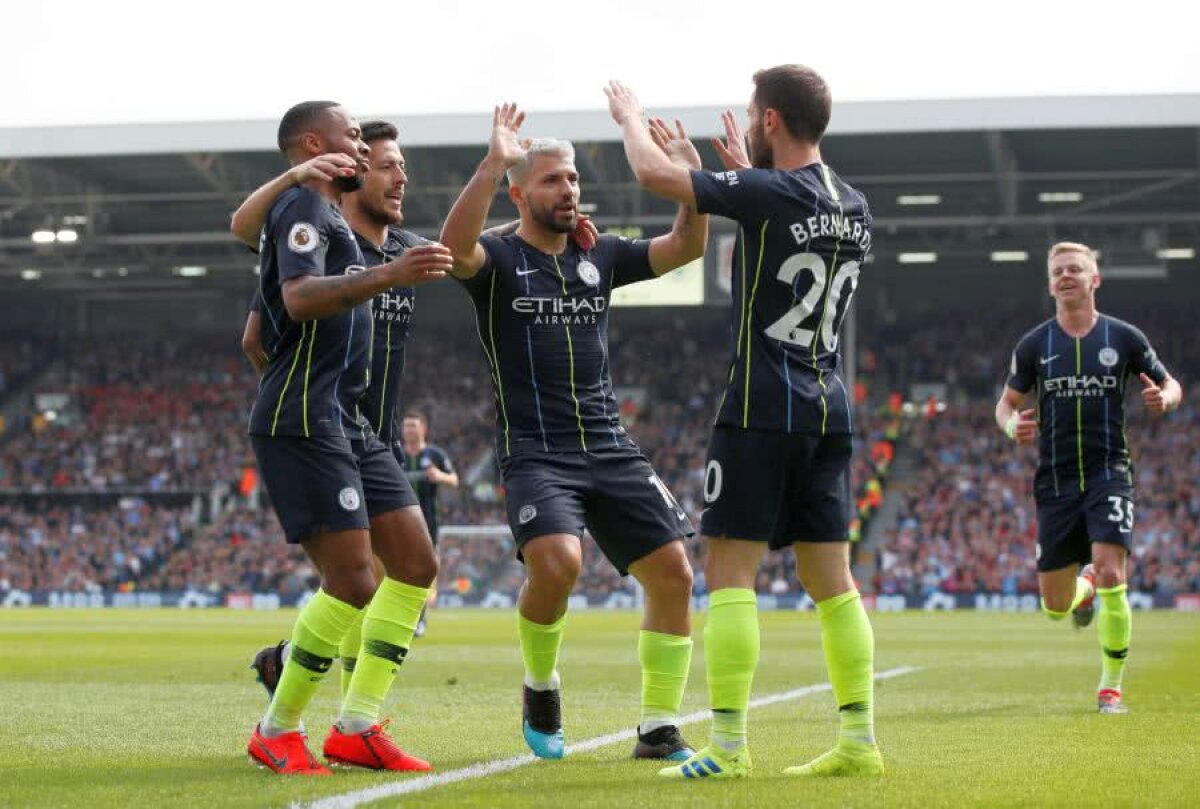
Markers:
point(776, 487)
point(1070, 523)
point(329, 484)
point(613, 493)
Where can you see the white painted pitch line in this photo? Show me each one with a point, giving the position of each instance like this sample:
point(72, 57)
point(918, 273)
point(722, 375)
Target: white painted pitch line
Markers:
point(349, 800)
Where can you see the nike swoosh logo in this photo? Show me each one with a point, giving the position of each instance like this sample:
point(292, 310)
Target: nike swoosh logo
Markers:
point(527, 272)
point(281, 763)
point(1048, 360)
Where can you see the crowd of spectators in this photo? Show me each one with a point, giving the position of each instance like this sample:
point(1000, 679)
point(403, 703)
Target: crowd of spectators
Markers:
point(169, 415)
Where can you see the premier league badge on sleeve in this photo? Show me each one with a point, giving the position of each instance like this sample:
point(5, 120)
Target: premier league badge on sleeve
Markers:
point(303, 238)
point(588, 273)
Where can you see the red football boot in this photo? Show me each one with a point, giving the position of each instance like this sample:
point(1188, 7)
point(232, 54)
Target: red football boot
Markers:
point(286, 754)
point(372, 749)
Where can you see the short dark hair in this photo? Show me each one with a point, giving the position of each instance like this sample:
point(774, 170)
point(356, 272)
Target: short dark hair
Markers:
point(299, 119)
point(379, 130)
point(799, 95)
point(418, 415)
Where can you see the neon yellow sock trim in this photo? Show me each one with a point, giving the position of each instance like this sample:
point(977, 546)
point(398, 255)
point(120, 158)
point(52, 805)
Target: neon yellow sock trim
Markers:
point(1114, 627)
point(849, 645)
point(539, 647)
point(665, 661)
point(731, 648)
point(319, 630)
point(387, 632)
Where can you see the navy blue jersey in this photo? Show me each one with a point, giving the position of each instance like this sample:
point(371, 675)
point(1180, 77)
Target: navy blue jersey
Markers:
point(1081, 399)
point(415, 466)
point(392, 311)
point(317, 369)
point(802, 238)
point(543, 323)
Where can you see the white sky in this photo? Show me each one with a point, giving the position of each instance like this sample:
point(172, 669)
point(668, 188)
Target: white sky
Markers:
point(74, 62)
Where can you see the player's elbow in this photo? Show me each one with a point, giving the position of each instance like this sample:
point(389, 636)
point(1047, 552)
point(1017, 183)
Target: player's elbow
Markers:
point(298, 307)
point(241, 229)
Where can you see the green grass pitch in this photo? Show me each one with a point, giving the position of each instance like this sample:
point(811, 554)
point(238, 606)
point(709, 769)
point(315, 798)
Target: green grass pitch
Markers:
point(153, 708)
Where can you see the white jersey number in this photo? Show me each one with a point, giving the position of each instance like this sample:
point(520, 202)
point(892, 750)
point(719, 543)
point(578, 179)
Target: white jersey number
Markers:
point(787, 328)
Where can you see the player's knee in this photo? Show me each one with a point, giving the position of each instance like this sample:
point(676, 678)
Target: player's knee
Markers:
point(555, 569)
point(671, 581)
point(352, 583)
point(1109, 575)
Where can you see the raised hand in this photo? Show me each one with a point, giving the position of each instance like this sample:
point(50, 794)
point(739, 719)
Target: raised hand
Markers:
point(675, 144)
point(504, 144)
point(732, 152)
point(427, 262)
point(622, 103)
point(1152, 395)
point(322, 167)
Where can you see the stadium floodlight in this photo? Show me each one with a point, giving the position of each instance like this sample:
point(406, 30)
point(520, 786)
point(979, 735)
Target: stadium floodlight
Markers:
point(587, 207)
point(917, 258)
point(1060, 196)
point(67, 236)
point(97, 273)
point(191, 271)
point(75, 219)
point(1167, 253)
point(1009, 255)
point(919, 199)
point(31, 275)
point(42, 236)
point(122, 271)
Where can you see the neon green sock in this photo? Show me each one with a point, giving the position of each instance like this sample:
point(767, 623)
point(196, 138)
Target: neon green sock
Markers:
point(665, 660)
point(387, 631)
point(539, 649)
point(730, 658)
point(348, 652)
point(319, 629)
point(1114, 627)
point(1083, 589)
point(849, 646)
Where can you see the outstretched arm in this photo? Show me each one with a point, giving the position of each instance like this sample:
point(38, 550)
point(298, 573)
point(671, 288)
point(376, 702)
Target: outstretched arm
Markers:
point(466, 219)
point(653, 169)
point(251, 215)
point(689, 234)
point(312, 297)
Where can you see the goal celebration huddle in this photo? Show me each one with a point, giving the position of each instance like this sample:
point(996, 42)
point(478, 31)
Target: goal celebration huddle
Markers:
point(354, 481)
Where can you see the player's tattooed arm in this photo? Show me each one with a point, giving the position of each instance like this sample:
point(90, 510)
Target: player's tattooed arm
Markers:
point(312, 297)
point(653, 168)
point(464, 224)
point(248, 220)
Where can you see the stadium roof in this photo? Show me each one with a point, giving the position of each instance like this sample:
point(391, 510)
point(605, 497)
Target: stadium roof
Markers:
point(960, 178)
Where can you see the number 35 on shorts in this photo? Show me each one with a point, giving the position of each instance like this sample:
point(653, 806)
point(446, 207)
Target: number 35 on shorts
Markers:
point(1122, 513)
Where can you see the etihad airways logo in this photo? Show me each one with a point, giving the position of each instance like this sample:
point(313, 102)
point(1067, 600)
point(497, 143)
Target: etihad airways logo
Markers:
point(1080, 386)
point(561, 311)
point(393, 307)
